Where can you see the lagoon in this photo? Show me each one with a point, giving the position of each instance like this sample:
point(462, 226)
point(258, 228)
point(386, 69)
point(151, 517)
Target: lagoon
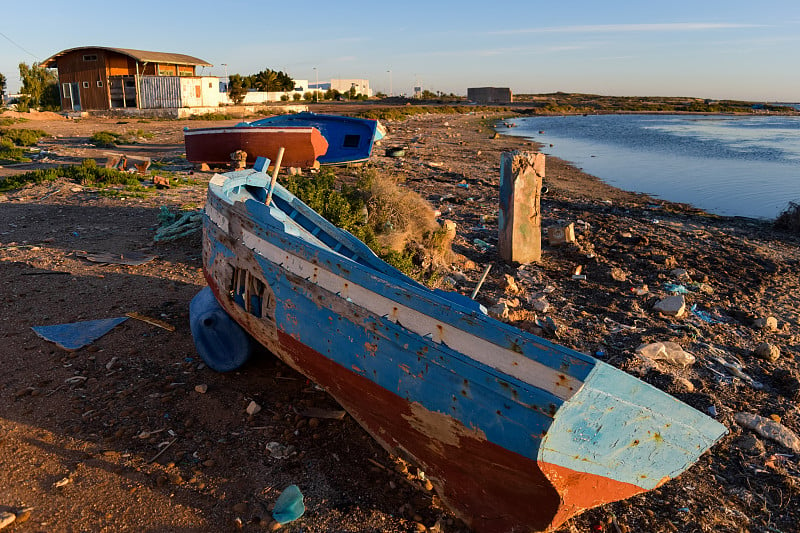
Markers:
point(728, 165)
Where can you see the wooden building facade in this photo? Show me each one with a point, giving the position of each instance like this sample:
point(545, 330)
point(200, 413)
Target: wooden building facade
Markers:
point(101, 78)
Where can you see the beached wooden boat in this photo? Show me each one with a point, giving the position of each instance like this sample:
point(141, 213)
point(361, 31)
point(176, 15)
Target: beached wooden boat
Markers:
point(350, 139)
point(515, 433)
point(303, 144)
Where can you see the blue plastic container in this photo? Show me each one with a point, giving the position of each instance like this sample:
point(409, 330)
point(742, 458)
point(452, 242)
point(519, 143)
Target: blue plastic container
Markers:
point(222, 343)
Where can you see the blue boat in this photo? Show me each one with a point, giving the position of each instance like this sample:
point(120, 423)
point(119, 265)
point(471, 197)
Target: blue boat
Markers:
point(516, 433)
point(350, 139)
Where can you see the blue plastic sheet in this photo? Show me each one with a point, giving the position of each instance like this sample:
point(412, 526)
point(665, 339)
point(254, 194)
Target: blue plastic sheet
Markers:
point(678, 289)
point(289, 505)
point(76, 335)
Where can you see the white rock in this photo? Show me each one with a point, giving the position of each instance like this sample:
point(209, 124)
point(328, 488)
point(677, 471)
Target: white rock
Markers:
point(540, 304)
point(769, 323)
point(768, 351)
point(686, 384)
point(202, 388)
point(253, 408)
point(671, 305)
point(6, 519)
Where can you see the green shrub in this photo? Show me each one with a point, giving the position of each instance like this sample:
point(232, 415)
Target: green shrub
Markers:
point(213, 116)
point(398, 221)
point(104, 139)
point(23, 137)
point(87, 173)
point(9, 152)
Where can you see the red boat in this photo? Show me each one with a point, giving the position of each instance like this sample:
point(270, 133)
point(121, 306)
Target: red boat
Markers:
point(303, 145)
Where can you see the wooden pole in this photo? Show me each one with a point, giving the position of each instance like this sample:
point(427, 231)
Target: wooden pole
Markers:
point(274, 175)
point(480, 283)
point(520, 221)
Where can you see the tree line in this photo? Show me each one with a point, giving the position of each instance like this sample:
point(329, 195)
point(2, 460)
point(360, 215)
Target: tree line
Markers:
point(39, 88)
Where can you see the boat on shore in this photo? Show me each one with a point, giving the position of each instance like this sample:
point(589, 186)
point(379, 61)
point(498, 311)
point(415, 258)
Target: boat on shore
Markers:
point(350, 139)
point(303, 145)
point(516, 433)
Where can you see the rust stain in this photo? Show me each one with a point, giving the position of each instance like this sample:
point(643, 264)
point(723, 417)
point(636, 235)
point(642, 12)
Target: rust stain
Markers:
point(405, 369)
point(440, 429)
point(563, 381)
point(371, 348)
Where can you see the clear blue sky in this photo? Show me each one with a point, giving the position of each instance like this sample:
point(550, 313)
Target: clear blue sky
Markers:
point(709, 49)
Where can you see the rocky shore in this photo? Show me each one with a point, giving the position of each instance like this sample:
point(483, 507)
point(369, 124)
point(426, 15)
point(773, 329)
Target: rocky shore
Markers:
point(134, 433)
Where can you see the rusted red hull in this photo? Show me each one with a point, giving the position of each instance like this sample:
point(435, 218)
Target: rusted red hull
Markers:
point(303, 145)
point(491, 489)
point(515, 433)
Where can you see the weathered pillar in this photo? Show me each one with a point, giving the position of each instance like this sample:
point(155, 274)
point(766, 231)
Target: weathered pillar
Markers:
point(520, 221)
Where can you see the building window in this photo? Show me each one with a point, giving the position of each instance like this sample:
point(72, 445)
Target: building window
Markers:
point(92, 57)
point(86, 85)
point(99, 83)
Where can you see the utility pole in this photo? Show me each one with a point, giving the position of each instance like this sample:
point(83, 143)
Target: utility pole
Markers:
point(316, 86)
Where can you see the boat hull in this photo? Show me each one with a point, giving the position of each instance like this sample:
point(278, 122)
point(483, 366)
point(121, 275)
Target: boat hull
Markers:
point(302, 145)
point(350, 139)
point(515, 433)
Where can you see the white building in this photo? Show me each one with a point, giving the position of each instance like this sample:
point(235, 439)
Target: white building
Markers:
point(344, 86)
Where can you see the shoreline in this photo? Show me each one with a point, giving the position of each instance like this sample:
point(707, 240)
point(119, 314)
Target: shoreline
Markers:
point(172, 443)
point(768, 207)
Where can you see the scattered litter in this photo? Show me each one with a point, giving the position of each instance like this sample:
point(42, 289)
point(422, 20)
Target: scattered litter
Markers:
point(289, 505)
point(676, 288)
point(126, 258)
point(769, 429)
point(705, 315)
point(175, 226)
point(151, 321)
point(62, 482)
point(735, 369)
point(277, 450)
point(616, 327)
point(165, 446)
point(76, 335)
point(671, 352)
point(483, 245)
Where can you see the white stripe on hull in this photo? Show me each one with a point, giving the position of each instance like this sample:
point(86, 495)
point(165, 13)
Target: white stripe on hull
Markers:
point(504, 360)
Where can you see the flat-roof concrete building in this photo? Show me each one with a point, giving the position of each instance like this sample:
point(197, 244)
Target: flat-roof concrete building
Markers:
point(490, 95)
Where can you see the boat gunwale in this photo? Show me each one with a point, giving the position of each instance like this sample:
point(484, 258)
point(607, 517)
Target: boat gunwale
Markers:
point(399, 288)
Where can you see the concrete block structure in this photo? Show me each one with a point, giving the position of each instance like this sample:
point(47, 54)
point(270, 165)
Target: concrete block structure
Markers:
point(490, 95)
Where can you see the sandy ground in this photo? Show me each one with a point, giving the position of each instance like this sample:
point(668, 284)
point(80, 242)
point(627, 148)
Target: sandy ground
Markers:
point(133, 433)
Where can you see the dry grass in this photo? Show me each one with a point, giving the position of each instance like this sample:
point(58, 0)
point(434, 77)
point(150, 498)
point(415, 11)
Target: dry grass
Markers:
point(404, 221)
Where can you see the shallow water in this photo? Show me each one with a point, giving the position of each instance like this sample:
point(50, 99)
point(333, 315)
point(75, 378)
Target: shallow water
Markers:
point(729, 165)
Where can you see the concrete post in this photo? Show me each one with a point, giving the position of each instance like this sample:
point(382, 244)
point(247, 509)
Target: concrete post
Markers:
point(520, 220)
